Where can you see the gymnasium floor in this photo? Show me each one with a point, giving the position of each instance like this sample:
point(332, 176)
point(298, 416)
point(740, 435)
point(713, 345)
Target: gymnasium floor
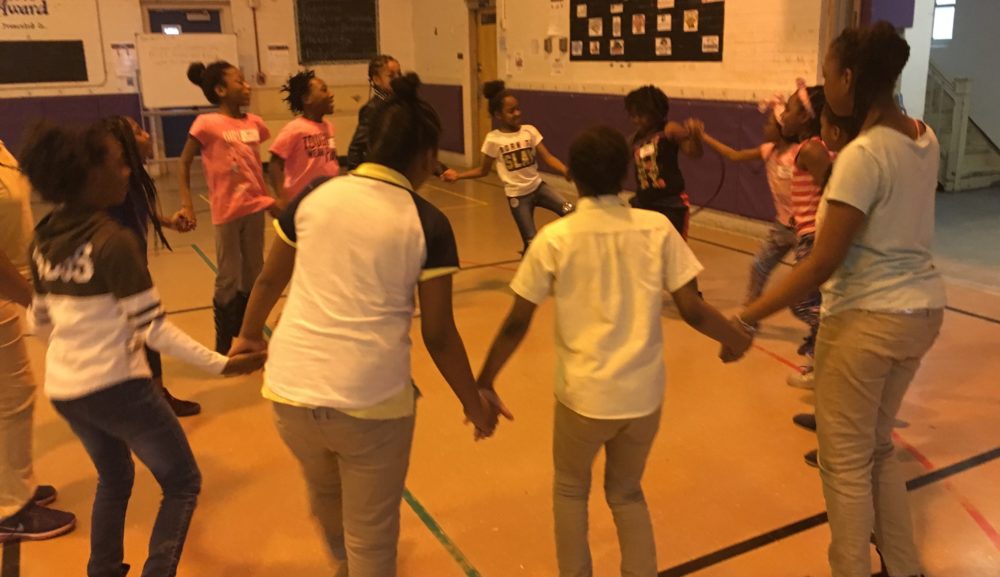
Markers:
point(726, 484)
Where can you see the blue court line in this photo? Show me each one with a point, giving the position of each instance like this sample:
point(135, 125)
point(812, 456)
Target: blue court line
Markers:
point(428, 520)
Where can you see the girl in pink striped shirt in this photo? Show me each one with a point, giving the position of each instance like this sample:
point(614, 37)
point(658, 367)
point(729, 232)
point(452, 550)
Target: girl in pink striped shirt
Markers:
point(801, 123)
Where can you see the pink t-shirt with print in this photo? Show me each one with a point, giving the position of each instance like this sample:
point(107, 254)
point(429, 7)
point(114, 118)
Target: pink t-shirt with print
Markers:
point(230, 153)
point(780, 168)
point(309, 151)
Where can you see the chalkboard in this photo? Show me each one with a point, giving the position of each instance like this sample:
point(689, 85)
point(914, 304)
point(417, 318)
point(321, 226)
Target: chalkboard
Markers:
point(647, 30)
point(336, 30)
point(37, 61)
point(163, 64)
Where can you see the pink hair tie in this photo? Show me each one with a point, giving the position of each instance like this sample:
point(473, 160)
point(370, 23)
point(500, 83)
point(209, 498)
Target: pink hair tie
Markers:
point(803, 93)
point(776, 104)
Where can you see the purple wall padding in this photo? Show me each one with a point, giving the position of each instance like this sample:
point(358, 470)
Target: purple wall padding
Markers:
point(897, 12)
point(447, 100)
point(559, 116)
point(18, 114)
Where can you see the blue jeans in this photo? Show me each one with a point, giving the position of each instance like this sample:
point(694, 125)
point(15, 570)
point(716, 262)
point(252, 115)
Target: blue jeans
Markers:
point(522, 208)
point(111, 424)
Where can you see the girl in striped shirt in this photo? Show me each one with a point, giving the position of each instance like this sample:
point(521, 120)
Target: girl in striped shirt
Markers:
point(96, 305)
point(801, 123)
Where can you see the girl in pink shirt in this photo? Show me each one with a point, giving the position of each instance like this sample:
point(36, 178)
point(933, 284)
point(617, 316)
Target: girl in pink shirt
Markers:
point(305, 149)
point(229, 143)
point(778, 154)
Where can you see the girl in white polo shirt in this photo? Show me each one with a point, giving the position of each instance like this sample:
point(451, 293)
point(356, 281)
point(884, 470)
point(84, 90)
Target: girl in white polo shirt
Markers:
point(339, 374)
point(517, 146)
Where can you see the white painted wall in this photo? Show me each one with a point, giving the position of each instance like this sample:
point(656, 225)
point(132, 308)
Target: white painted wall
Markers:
point(767, 45)
point(913, 84)
point(115, 21)
point(973, 54)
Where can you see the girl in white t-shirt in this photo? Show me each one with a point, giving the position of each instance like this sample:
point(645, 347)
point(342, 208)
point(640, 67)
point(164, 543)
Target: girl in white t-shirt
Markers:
point(518, 147)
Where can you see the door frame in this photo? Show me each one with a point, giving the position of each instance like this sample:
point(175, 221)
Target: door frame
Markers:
point(474, 98)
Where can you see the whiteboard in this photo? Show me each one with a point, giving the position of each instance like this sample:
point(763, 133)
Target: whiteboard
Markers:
point(163, 64)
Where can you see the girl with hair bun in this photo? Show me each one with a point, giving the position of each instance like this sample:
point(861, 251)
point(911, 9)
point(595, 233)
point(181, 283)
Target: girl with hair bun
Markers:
point(518, 147)
point(883, 299)
point(339, 372)
point(228, 141)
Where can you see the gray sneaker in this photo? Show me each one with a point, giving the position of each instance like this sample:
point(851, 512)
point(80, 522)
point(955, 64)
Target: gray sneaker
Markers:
point(803, 380)
point(36, 523)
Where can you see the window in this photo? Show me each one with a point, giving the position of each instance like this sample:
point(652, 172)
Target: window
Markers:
point(944, 19)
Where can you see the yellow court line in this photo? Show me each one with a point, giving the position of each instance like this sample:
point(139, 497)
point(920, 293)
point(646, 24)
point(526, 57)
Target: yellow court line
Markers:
point(453, 193)
point(205, 198)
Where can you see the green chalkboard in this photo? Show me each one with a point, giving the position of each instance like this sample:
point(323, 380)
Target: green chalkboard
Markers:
point(336, 30)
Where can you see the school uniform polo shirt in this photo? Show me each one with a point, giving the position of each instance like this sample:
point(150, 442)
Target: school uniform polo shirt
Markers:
point(606, 266)
point(363, 243)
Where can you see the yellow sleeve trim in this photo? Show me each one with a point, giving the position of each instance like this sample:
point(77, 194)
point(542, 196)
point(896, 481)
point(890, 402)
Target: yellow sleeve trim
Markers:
point(281, 234)
point(433, 273)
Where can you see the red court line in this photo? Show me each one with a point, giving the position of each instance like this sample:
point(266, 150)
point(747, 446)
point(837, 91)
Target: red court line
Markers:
point(977, 516)
point(984, 524)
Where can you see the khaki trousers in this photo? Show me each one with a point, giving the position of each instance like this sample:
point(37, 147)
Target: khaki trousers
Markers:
point(355, 470)
point(626, 443)
point(865, 362)
point(17, 403)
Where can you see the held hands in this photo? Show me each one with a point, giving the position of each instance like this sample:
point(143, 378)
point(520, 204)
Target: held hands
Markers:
point(246, 356)
point(181, 222)
point(734, 350)
point(276, 209)
point(485, 414)
point(450, 175)
point(695, 128)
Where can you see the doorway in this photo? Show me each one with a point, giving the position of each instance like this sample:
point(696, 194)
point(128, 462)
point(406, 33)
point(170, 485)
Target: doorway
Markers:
point(485, 68)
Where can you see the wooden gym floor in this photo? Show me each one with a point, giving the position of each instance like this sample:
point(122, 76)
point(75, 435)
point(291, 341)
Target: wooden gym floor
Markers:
point(726, 484)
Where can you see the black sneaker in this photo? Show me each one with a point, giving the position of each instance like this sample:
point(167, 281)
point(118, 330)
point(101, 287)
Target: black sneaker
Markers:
point(805, 420)
point(812, 458)
point(45, 495)
point(180, 407)
point(36, 523)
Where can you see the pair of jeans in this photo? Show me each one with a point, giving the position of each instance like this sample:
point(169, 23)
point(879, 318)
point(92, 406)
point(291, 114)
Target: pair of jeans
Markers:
point(780, 239)
point(522, 208)
point(865, 362)
point(807, 309)
point(112, 424)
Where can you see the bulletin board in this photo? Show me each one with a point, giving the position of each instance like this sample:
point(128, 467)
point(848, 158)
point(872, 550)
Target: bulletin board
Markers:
point(647, 30)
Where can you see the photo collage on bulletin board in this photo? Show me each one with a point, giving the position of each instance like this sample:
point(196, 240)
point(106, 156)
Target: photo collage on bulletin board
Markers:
point(647, 30)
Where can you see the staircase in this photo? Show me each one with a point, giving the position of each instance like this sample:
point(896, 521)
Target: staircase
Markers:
point(969, 159)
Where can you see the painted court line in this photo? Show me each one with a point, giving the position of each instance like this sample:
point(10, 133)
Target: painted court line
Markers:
point(802, 525)
point(412, 501)
point(453, 193)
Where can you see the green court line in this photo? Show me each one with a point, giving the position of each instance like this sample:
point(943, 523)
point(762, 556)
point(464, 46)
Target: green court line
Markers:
point(412, 501)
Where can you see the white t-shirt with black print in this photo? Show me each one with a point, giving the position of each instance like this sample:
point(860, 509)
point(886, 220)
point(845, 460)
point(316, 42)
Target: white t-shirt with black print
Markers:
point(515, 156)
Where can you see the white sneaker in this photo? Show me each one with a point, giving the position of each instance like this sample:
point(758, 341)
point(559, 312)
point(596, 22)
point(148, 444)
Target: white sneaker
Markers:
point(803, 380)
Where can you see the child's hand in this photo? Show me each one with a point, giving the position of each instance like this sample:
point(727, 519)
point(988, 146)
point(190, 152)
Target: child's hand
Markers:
point(277, 208)
point(245, 363)
point(244, 345)
point(450, 175)
point(482, 416)
point(695, 128)
point(734, 351)
point(180, 222)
